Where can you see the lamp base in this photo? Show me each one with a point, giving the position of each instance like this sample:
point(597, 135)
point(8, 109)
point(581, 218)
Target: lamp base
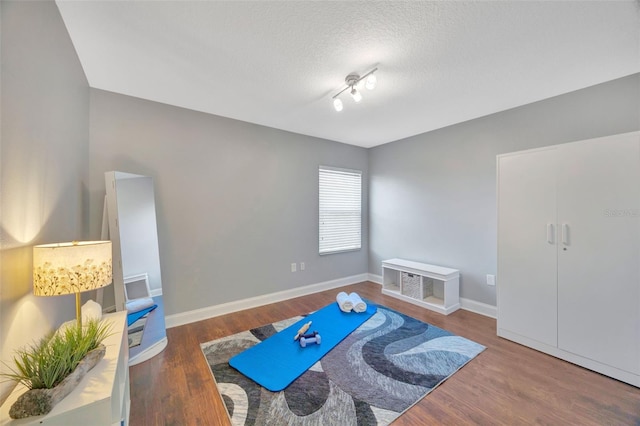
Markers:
point(78, 309)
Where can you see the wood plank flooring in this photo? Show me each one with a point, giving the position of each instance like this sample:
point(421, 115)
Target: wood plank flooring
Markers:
point(507, 384)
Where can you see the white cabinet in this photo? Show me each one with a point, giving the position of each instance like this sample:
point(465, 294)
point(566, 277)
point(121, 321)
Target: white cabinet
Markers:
point(569, 252)
point(527, 256)
point(102, 396)
point(430, 286)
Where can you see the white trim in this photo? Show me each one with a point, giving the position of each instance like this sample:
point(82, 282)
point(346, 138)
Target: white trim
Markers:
point(156, 292)
point(183, 318)
point(479, 308)
point(340, 169)
point(375, 278)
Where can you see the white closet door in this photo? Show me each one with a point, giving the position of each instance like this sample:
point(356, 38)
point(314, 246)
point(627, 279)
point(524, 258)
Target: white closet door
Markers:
point(599, 251)
point(527, 245)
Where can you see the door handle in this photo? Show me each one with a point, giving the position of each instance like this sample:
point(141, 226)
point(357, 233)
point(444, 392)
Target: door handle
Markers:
point(565, 234)
point(550, 233)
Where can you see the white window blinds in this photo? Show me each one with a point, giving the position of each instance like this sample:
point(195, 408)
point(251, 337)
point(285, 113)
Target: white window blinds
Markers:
point(340, 209)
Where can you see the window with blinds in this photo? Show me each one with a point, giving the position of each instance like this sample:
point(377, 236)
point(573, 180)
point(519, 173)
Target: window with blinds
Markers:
point(340, 209)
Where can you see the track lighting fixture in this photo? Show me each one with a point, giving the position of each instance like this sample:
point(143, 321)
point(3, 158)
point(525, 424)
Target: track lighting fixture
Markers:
point(352, 80)
point(357, 96)
point(371, 82)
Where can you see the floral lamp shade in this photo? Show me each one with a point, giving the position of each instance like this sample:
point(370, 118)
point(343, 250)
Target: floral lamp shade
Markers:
point(71, 268)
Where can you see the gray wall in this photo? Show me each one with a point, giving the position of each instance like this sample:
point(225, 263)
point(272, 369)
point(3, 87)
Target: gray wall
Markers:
point(236, 203)
point(433, 196)
point(44, 155)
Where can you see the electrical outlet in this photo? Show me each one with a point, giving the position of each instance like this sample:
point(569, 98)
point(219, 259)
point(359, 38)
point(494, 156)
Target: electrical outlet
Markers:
point(491, 279)
point(293, 267)
point(302, 266)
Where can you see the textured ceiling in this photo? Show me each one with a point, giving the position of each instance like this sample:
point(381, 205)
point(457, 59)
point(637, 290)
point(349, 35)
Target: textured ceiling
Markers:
point(278, 63)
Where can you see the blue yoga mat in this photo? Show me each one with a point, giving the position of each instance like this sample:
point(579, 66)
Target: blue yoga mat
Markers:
point(131, 318)
point(277, 361)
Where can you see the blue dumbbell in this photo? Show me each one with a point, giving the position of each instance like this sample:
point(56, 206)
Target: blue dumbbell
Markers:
point(305, 340)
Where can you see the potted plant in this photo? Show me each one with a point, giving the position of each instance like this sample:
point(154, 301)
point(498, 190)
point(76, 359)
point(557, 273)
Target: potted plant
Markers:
point(52, 367)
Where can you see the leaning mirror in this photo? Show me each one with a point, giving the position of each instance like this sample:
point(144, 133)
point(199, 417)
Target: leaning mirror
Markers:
point(137, 282)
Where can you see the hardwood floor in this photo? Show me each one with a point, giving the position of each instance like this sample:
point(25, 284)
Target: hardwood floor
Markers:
point(507, 384)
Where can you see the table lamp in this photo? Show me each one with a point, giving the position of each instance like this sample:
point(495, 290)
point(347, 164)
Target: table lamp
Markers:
point(71, 268)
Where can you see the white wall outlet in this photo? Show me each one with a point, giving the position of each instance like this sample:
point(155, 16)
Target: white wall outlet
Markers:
point(293, 267)
point(491, 279)
point(302, 266)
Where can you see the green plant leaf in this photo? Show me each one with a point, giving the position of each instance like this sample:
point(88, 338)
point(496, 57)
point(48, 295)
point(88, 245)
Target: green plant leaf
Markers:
point(44, 364)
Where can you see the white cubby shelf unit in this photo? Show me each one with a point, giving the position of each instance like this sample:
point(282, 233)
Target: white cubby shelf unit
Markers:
point(433, 287)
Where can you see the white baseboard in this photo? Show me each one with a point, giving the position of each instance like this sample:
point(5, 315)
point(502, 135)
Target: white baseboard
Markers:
point(182, 318)
point(155, 292)
point(375, 278)
point(479, 307)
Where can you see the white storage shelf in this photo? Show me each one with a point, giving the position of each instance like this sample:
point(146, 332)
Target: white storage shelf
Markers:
point(101, 397)
point(437, 287)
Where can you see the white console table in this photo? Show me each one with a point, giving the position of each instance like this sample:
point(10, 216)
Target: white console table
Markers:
point(101, 397)
point(430, 286)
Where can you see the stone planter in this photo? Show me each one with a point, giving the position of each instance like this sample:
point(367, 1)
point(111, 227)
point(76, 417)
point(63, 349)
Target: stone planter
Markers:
point(37, 402)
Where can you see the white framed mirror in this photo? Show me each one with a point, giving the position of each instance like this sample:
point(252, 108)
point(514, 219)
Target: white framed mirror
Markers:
point(137, 279)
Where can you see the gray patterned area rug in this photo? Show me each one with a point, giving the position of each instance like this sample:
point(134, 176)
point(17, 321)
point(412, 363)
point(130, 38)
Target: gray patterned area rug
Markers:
point(379, 371)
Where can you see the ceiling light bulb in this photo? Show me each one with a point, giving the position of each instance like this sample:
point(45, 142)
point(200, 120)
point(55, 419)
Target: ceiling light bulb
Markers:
point(371, 82)
point(356, 95)
point(337, 104)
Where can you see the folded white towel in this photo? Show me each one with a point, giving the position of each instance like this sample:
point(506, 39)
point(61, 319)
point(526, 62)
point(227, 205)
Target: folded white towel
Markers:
point(344, 301)
point(358, 303)
point(136, 305)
